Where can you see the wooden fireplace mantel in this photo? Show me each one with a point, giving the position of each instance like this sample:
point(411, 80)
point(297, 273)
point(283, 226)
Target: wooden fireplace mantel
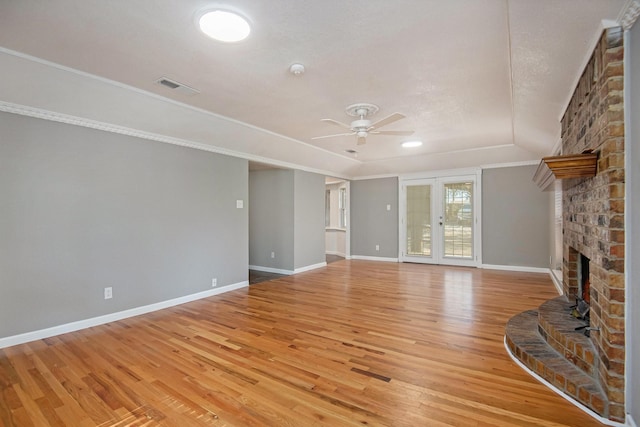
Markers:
point(566, 166)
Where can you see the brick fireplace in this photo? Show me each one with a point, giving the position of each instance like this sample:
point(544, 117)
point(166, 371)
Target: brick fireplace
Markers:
point(593, 230)
point(593, 209)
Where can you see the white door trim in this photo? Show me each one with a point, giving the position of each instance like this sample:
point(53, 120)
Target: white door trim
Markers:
point(440, 178)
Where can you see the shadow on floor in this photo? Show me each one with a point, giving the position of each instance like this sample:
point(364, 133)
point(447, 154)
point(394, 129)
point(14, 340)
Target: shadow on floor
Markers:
point(256, 276)
point(333, 258)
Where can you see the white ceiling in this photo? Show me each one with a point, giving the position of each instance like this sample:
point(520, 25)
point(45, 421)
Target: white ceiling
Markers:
point(480, 81)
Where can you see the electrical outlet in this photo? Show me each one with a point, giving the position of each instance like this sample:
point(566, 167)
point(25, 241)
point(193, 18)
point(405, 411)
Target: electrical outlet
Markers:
point(214, 282)
point(273, 254)
point(377, 247)
point(108, 293)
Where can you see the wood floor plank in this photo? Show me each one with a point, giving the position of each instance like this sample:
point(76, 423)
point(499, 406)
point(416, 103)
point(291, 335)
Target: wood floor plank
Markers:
point(354, 343)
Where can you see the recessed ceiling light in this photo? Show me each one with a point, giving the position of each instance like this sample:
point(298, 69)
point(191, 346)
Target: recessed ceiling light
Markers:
point(411, 144)
point(224, 26)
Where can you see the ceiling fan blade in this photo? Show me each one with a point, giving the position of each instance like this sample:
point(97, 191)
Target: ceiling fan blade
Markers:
point(362, 140)
point(337, 123)
point(336, 134)
point(389, 119)
point(392, 132)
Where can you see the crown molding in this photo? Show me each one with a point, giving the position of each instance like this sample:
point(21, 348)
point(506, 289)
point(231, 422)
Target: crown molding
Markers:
point(510, 164)
point(133, 89)
point(39, 113)
point(107, 127)
point(629, 14)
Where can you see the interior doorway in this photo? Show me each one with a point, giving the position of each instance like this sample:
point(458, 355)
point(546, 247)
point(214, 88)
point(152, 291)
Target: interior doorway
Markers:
point(337, 218)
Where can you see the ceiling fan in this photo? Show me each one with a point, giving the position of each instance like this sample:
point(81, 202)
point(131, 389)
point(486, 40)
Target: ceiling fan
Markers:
point(363, 126)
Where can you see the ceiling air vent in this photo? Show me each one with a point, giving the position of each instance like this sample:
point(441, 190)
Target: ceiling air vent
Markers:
point(178, 87)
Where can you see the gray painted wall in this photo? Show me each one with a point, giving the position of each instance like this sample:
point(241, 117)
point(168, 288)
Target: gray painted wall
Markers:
point(271, 218)
point(632, 209)
point(82, 210)
point(309, 232)
point(286, 216)
point(371, 223)
point(515, 218)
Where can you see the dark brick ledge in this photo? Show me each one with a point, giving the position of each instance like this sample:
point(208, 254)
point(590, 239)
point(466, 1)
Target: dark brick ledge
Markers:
point(557, 327)
point(529, 347)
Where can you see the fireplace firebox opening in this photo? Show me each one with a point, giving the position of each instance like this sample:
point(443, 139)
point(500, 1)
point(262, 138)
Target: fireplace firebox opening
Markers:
point(584, 286)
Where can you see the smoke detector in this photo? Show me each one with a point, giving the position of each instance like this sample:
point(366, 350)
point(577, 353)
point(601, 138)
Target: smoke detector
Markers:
point(296, 69)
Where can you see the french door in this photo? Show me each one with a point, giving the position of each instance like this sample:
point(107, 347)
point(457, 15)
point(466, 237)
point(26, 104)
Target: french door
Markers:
point(439, 220)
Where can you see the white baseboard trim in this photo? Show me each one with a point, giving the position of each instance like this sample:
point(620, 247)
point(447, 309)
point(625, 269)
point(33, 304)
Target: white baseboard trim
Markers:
point(287, 272)
point(559, 392)
point(556, 282)
point(271, 270)
point(310, 267)
point(515, 268)
point(113, 317)
point(374, 258)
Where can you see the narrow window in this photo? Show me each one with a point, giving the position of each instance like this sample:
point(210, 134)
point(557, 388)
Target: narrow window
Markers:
point(342, 207)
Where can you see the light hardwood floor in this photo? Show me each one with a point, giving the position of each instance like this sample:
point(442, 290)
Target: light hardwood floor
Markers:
point(355, 343)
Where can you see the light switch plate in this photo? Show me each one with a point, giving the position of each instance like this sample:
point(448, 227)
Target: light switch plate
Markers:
point(239, 204)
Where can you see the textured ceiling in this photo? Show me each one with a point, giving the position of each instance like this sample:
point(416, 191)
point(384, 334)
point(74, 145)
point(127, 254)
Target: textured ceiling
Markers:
point(480, 81)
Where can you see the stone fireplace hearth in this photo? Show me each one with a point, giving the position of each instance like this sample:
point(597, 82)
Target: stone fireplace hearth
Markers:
point(589, 369)
point(546, 342)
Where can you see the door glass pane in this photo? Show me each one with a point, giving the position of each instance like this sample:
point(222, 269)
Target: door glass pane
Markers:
point(458, 220)
point(419, 220)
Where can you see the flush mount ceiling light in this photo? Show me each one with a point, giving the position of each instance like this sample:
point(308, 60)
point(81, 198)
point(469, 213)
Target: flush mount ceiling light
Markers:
point(224, 26)
point(411, 144)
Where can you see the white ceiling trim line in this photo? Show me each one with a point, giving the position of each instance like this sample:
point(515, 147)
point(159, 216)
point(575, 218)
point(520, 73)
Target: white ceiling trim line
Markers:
point(442, 153)
point(443, 173)
point(164, 99)
point(447, 172)
point(39, 113)
point(511, 164)
point(604, 24)
point(386, 175)
point(510, 57)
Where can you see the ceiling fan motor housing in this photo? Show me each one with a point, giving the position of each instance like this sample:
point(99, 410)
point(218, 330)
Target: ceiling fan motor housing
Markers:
point(362, 110)
point(360, 125)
